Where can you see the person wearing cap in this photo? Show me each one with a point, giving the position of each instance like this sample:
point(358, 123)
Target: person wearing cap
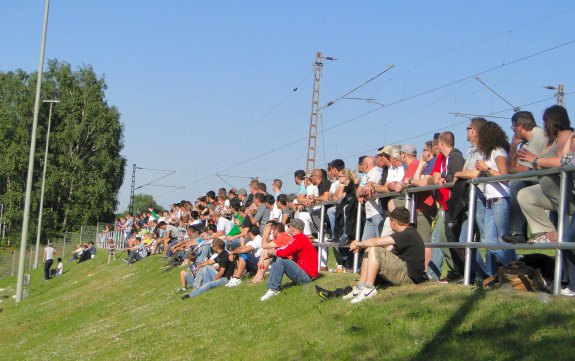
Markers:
point(301, 268)
point(382, 159)
point(397, 259)
point(242, 195)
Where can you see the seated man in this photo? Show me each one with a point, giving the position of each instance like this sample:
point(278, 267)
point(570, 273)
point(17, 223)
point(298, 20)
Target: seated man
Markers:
point(398, 259)
point(301, 269)
point(247, 256)
point(274, 236)
point(225, 270)
point(138, 253)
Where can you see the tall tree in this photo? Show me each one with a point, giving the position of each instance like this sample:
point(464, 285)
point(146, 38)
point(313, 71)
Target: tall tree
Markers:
point(85, 168)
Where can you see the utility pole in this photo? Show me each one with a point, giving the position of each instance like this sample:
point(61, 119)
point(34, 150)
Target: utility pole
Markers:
point(560, 93)
point(133, 189)
point(39, 230)
point(312, 135)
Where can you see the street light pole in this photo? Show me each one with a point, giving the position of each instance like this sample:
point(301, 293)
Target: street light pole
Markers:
point(39, 230)
point(30, 175)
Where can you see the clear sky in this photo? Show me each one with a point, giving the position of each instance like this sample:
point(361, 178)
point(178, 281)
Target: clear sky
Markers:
point(207, 87)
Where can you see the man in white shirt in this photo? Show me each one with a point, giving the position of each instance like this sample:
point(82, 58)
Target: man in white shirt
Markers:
point(48, 259)
point(373, 210)
point(247, 256)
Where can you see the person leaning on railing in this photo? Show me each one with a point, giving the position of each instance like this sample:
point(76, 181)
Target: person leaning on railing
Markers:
point(569, 255)
point(535, 200)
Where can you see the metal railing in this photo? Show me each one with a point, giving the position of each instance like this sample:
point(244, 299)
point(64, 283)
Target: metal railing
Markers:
point(411, 204)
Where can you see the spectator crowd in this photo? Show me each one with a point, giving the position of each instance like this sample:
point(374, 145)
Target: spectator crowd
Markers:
point(220, 238)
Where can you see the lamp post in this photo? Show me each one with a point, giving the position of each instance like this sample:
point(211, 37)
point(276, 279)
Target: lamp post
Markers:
point(30, 176)
point(39, 230)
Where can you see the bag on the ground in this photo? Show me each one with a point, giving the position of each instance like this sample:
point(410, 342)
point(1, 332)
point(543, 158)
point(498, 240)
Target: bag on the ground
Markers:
point(518, 276)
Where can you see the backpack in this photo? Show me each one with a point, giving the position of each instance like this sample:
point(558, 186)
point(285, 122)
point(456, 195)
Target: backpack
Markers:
point(518, 276)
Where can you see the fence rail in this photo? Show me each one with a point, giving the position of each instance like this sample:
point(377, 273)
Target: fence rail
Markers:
point(411, 202)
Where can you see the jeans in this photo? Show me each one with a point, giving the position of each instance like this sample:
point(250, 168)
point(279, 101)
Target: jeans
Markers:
point(208, 286)
point(204, 252)
point(569, 257)
point(205, 274)
point(517, 222)
point(291, 269)
point(372, 227)
point(331, 216)
point(47, 266)
point(170, 245)
point(437, 236)
point(134, 256)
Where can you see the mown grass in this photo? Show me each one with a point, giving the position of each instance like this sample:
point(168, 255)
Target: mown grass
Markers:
point(97, 311)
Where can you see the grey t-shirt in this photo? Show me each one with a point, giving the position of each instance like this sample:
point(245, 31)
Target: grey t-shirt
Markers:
point(262, 216)
point(49, 252)
point(535, 145)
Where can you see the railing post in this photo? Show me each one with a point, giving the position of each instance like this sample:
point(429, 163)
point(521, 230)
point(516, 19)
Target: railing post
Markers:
point(412, 206)
point(321, 251)
point(357, 235)
point(470, 223)
point(560, 231)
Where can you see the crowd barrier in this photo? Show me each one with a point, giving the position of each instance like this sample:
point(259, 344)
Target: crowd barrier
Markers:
point(119, 238)
point(411, 203)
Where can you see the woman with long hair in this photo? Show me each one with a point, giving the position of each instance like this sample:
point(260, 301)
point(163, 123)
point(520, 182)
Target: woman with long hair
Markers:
point(492, 210)
point(537, 199)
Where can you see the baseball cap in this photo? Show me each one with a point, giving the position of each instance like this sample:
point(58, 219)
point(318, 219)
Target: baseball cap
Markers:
point(408, 149)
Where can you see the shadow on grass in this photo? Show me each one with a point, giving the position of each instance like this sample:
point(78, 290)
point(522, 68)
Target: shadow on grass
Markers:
point(501, 333)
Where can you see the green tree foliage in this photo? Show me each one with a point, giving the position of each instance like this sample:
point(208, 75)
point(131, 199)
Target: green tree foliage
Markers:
point(144, 201)
point(85, 168)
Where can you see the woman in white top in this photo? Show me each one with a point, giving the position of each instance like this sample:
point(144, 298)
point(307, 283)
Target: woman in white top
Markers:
point(492, 207)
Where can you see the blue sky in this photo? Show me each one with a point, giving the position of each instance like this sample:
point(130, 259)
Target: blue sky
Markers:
point(207, 88)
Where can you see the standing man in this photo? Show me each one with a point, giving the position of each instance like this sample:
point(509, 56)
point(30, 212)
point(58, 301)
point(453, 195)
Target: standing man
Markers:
point(373, 210)
point(48, 259)
point(449, 161)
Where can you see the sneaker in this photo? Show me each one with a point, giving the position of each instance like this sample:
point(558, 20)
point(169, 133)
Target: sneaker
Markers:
point(323, 293)
point(125, 260)
point(567, 292)
point(364, 295)
point(231, 282)
point(182, 289)
point(354, 292)
point(269, 294)
point(236, 283)
point(514, 238)
point(540, 239)
point(186, 296)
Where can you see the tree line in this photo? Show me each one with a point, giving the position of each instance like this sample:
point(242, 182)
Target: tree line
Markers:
point(85, 167)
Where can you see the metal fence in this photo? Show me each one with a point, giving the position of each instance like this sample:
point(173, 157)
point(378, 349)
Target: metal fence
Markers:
point(411, 202)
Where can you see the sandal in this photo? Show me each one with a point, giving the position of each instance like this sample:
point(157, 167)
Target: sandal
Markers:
point(540, 239)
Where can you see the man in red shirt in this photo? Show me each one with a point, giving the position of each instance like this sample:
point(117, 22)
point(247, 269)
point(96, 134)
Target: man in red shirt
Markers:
point(301, 269)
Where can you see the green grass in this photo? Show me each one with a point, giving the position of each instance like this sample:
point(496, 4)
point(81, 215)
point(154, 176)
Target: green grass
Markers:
point(114, 312)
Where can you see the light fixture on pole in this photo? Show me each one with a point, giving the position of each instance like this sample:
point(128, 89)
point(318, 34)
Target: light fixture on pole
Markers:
point(39, 230)
point(30, 176)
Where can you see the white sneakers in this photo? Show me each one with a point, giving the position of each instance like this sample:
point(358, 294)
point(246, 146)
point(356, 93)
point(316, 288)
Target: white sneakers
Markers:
point(567, 292)
point(354, 292)
point(364, 295)
point(269, 294)
point(234, 282)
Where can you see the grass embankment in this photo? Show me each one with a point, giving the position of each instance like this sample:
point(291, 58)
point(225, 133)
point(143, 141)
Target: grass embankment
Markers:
point(115, 312)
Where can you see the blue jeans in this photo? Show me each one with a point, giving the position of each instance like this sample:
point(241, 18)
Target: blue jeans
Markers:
point(569, 257)
point(208, 286)
point(331, 216)
point(170, 245)
point(437, 236)
point(372, 227)
point(205, 274)
point(495, 223)
point(291, 269)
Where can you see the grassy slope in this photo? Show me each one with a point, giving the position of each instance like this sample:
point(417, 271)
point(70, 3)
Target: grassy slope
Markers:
point(111, 312)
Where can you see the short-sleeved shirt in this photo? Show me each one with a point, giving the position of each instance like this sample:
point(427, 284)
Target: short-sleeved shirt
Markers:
point(223, 260)
point(447, 167)
point(287, 212)
point(372, 206)
point(49, 252)
point(409, 248)
point(256, 243)
point(395, 174)
point(429, 166)
point(262, 216)
point(173, 231)
point(301, 189)
point(496, 189)
point(323, 187)
point(536, 144)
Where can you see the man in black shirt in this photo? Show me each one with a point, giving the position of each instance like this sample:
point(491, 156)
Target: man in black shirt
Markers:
point(397, 259)
point(225, 270)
